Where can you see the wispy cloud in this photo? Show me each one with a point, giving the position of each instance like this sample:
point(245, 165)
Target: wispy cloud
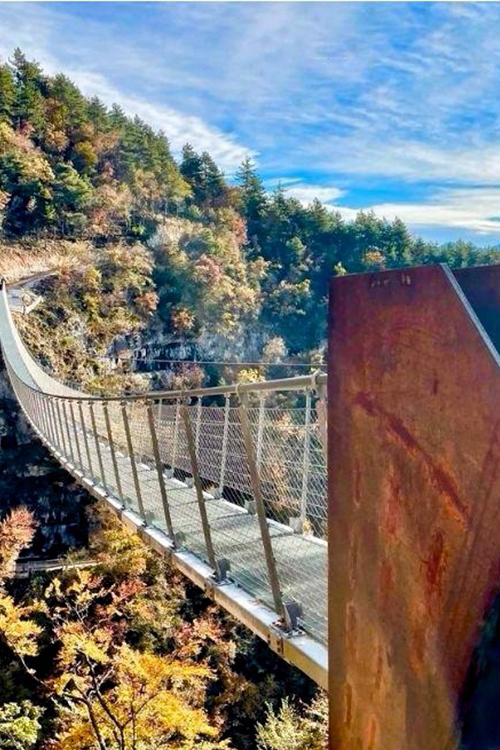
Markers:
point(306, 193)
point(413, 161)
point(474, 210)
point(33, 30)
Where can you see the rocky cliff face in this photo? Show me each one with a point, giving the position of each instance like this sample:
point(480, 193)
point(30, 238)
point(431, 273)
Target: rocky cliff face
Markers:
point(30, 476)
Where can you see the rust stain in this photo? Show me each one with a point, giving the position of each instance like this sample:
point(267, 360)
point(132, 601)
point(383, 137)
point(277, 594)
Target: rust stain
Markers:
point(357, 485)
point(352, 629)
point(386, 582)
point(435, 564)
point(353, 557)
point(440, 478)
point(372, 733)
point(418, 649)
point(348, 704)
point(379, 668)
point(393, 508)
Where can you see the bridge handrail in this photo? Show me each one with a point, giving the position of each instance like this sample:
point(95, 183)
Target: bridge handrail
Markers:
point(314, 380)
point(299, 383)
point(238, 481)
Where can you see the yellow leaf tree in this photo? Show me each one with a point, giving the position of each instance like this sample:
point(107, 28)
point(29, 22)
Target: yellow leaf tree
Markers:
point(110, 695)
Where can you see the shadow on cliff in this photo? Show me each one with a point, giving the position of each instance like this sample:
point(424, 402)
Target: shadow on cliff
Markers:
point(30, 476)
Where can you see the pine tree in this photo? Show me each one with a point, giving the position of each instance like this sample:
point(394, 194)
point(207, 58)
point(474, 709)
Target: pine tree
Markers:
point(191, 168)
point(71, 100)
point(7, 93)
point(30, 87)
point(214, 185)
point(254, 203)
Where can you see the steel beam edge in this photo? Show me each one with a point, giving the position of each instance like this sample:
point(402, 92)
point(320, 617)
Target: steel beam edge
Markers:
point(300, 650)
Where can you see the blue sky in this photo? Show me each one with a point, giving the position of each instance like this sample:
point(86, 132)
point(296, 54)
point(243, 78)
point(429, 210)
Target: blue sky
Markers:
point(388, 106)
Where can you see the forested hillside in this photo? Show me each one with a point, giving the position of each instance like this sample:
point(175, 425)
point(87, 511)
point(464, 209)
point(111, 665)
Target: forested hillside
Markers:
point(156, 246)
point(233, 264)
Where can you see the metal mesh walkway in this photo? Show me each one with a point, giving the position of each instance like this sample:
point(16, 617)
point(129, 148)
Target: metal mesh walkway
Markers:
point(233, 475)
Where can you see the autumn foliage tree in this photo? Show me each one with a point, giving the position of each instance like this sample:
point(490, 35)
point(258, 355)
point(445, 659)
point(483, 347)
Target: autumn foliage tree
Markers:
point(19, 721)
point(108, 694)
point(111, 696)
point(16, 532)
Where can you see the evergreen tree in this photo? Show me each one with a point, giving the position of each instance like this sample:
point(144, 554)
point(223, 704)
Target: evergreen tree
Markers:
point(192, 169)
point(30, 89)
point(71, 99)
point(72, 194)
point(400, 245)
point(7, 93)
point(254, 203)
point(98, 114)
point(213, 184)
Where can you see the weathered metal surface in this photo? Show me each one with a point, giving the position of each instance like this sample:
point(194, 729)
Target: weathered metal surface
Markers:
point(414, 503)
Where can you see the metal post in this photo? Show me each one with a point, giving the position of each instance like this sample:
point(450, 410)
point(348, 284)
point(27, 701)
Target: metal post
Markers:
point(52, 407)
point(225, 435)
point(38, 412)
point(260, 428)
point(159, 471)
point(26, 404)
point(68, 434)
point(133, 464)
point(176, 434)
point(306, 462)
point(38, 415)
point(261, 511)
point(85, 437)
point(97, 444)
point(77, 441)
point(40, 422)
point(160, 403)
point(24, 400)
point(322, 412)
point(63, 441)
point(199, 489)
point(111, 444)
point(28, 401)
point(47, 420)
point(47, 426)
point(198, 424)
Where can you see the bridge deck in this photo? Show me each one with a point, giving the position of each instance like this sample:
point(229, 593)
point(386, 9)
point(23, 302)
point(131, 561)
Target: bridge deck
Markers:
point(231, 527)
point(276, 581)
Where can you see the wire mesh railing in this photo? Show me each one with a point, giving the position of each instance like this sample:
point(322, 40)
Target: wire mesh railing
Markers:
point(235, 475)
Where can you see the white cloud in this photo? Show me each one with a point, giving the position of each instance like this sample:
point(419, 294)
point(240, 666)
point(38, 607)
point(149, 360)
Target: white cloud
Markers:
point(379, 93)
point(305, 192)
point(417, 162)
point(475, 210)
point(34, 28)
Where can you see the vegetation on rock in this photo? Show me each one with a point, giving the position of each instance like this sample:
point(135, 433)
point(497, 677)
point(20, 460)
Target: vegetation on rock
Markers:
point(235, 266)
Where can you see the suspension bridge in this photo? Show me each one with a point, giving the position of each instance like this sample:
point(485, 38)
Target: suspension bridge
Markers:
point(228, 482)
